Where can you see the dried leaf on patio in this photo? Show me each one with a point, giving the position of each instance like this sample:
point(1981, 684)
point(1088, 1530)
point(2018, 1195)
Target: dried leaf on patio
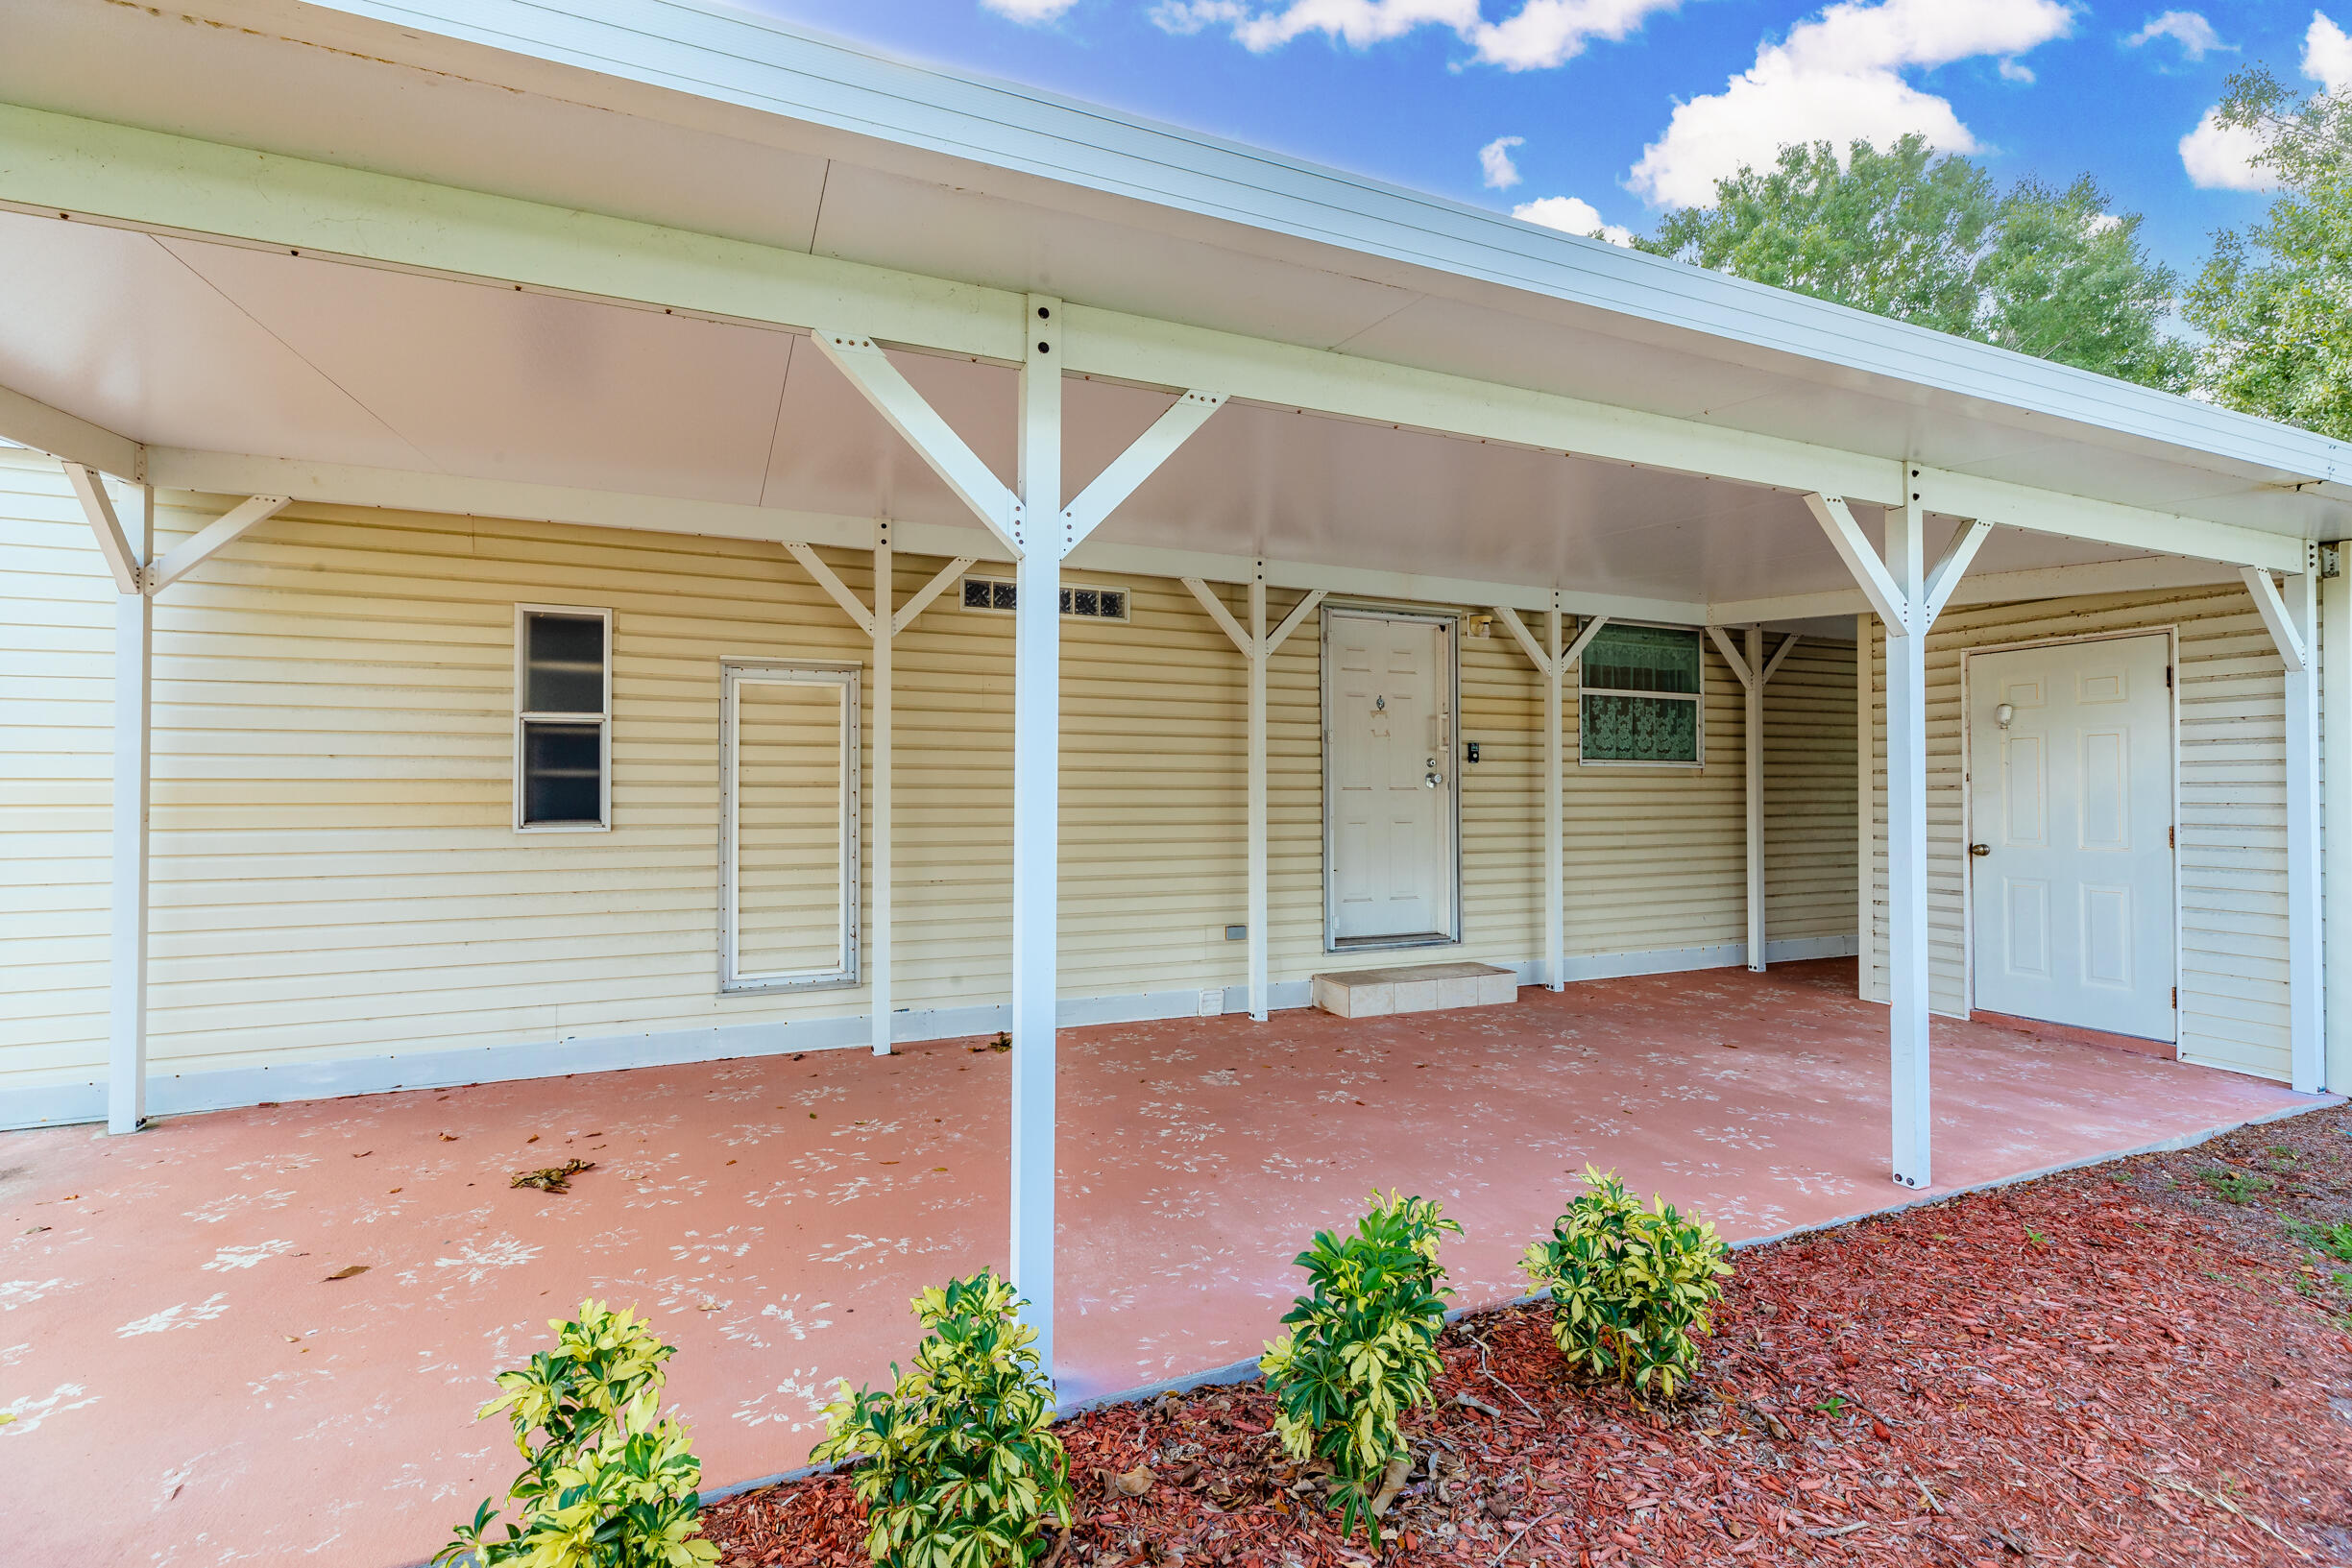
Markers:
point(353, 1273)
point(553, 1178)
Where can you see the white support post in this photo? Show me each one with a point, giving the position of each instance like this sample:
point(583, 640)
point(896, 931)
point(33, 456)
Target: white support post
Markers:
point(1555, 832)
point(1256, 646)
point(1865, 830)
point(2336, 843)
point(1754, 674)
point(134, 730)
point(1906, 851)
point(884, 623)
point(1755, 793)
point(1260, 866)
point(1030, 522)
point(2306, 988)
point(1036, 813)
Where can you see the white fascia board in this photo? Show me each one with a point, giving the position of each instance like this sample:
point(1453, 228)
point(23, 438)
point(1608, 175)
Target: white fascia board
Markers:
point(2103, 522)
point(2156, 574)
point(760, 65)
point(28, 422)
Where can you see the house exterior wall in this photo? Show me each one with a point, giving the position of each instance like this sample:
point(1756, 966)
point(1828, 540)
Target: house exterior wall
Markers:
point(337, 878)
point(2232, 825)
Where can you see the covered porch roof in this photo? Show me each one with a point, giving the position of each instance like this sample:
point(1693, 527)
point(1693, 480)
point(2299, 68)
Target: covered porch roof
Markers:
point(541, 265)
point(187, 1352)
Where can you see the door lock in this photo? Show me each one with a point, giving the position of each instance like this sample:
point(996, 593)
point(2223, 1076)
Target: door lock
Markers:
point(1432, 779)
point(1979, 848)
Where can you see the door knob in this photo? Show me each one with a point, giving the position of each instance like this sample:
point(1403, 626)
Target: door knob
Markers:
point(1432, 780)
point(1979, 848)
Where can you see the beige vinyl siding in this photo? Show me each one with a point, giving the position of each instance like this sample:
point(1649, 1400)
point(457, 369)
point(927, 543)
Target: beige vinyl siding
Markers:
point(57, 708)
point(2231, 829)
point(336, 872)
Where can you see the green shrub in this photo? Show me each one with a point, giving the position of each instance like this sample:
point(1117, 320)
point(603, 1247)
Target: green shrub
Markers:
point(611, 1483)
point(1361, 1348)
point(961, 1469)
point(1631, 1290)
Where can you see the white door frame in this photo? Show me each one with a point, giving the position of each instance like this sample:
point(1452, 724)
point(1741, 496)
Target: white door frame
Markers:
point(2170, 633)
point(848, 680)
point(1451, 683)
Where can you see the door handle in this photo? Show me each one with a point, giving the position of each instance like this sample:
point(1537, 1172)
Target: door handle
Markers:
point(1979, 848)
point(1432, 780)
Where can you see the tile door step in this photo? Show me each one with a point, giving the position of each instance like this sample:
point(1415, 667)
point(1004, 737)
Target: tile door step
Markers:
point(1417, 988)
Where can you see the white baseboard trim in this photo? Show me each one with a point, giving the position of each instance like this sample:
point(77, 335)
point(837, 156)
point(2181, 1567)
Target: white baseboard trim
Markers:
point(184, 1094)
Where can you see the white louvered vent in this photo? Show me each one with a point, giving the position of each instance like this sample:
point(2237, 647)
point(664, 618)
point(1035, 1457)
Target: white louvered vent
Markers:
point(1079, 601)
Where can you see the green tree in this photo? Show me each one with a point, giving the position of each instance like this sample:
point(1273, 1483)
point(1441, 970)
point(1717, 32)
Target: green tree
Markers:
point(2275, 300)
point(1932, 241)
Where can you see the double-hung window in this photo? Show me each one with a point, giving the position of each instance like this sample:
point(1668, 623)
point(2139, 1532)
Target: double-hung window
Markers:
point(563, 718)
point(1639, 690)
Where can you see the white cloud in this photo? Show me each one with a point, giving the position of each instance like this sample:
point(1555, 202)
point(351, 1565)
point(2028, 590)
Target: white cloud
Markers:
point(1838, 77)
point(2327, 55)
point(1029, 13)
point(2220, 157)
point(1540, 34)
point(1494, 162)
point(1572, 215)
point(2187, 28)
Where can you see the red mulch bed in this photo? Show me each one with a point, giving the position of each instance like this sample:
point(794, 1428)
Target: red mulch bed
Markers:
point(2137, 1363)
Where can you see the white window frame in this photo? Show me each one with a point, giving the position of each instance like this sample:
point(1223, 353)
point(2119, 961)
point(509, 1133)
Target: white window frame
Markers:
point(603, 720)
point(1698, 763)
point(733, 674)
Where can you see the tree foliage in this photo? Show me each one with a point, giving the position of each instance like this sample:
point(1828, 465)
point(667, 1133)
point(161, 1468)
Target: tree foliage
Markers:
point(1932, 241)
point(2273, 299)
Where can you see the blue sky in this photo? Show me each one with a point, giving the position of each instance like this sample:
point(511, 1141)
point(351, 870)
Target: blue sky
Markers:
point(1632, 106)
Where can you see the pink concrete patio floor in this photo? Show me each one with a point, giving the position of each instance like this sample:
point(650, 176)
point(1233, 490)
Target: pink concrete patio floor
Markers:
point(190, 1386)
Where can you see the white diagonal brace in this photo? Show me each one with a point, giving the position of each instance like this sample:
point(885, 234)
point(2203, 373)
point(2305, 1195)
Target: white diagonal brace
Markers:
point(1243, 641)
point(869, 369)
point(1585, 635)
point(91, 488)
point(1870, 573)
point(1299, 612)
point(2267, 600)
point(1139, 462)
point(1519, 634)
point(922, 597)
point(1731, 655)
point(1787, 646)
point(1951, 566)
point(814, 564)
point(216, 536)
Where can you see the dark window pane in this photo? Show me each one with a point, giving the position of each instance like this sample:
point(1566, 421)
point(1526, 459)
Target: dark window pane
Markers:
point(1114, 605)
point(1003, 595)
point(1642, 659)
point(565, 664)
point(975, 594)
point(1638, 730)
point(563, 773)
point(1086, 601)
point(1065, 601)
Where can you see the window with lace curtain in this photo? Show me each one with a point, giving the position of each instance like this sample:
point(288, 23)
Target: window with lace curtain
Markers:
point(1639, 690)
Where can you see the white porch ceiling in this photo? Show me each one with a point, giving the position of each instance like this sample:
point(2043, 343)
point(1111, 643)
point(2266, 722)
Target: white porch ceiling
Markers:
point(191, 344)
point(725, 124)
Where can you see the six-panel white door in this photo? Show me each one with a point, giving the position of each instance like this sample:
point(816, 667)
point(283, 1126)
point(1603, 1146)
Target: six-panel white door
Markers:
point(2071, 827)
point(1389, 715)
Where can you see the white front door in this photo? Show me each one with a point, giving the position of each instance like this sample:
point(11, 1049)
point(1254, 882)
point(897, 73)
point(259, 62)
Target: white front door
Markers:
point(1387, 744)
point(2070, 812)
